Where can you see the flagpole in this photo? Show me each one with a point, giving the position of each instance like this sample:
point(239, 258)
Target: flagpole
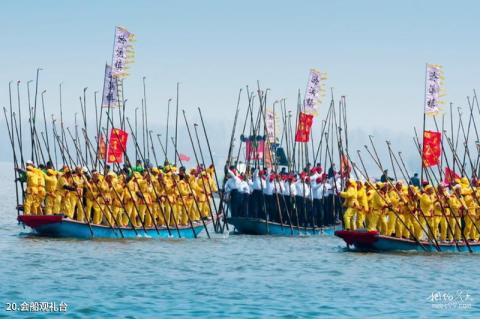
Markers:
point(166, 137)
point(423, 129)
point(176, 126)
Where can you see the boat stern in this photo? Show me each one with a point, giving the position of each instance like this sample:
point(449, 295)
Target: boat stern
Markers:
point(363, 240)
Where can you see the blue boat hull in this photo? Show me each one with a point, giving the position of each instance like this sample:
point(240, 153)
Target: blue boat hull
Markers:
point(258, 226)
point(61, 227)
point(373, 241)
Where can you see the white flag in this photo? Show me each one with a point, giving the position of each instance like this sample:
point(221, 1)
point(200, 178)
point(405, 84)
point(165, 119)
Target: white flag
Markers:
point(433, 87)
point(315, 92)
point(122, 52)
point(110, 89)
point(271, 122)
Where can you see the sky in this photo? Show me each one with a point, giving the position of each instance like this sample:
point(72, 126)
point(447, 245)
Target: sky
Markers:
point(373, 51)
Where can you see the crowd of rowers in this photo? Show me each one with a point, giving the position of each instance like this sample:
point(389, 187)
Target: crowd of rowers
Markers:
point(394, 208)
point(309, 198)
point(138, 195)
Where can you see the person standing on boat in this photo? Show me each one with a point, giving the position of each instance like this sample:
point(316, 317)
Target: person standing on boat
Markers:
point(244, 195)
point(76, 197)
point(426, 206)
point(284, 198)
point(362, 205)
point(414, 180)
point(403, 212)
point(41, 195)
point(131, 200)
point(317, 195)
point(385, 178)
point(292, 193)
point(442, 211)
point(139, 168)
point(65, 192)
point(379, 205)
point(302, 198)
point(50, 189)
point(145, 200)
point(394, 194)
point(32, 187)
point(114, 194)
point(256, 198)
point(458, 207)
point(351, 205)
point(231, 188)
point(278, 188)
point(200, 187)
point(269, 198)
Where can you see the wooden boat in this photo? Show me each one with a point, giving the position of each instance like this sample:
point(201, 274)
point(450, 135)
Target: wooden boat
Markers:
point(363, 240)
point(60, 226)
point(259, 226)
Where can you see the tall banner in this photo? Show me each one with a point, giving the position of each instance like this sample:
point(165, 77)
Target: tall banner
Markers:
point(271, 123)
point(433, 89)
point(117, 145)
point(110, 89)
point(432, 148)
point(305, 122)
point(123, 52)
point(315, 92)
point(254, 149)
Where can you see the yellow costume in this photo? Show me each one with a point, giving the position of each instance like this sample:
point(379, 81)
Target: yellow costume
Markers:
point(351, 203)
point(31, 194)
point(363, 207)
point(51, 189)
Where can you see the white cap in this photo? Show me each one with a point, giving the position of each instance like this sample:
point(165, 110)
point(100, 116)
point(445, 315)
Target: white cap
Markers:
point(29, 162)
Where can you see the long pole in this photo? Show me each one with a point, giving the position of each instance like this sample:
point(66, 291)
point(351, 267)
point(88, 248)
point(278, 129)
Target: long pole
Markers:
point(146, 116)
point(166, 136)
point(35, 115)
point(229, 155)
point(423, 127)
point(198, 164)
point(176, 124)
point(46, 129)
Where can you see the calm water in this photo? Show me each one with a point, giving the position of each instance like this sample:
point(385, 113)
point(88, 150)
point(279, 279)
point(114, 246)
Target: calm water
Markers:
point(235, 276)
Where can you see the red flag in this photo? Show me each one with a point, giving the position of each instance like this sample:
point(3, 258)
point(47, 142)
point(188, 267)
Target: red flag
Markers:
point(450, 176)
point(102, 147)
point(345, 167)
point(305, 122)
point(183, 157)
point(431, 148)
point(117, 145)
